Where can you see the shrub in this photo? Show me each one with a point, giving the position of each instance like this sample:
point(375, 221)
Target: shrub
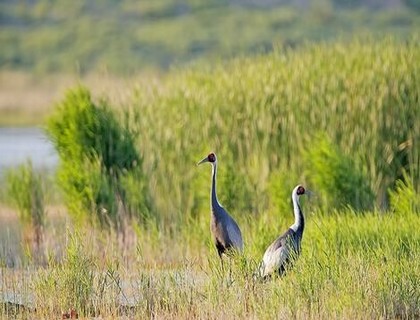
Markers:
point(97, 153)
point(336, 178)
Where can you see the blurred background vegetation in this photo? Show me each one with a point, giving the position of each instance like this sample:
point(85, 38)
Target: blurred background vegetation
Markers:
point(274, 86)
point(124, 37)
point(48, 46)
point(324, 93)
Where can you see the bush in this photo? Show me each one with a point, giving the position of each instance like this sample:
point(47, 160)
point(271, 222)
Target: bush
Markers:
point(97, 153)
point(335, 177)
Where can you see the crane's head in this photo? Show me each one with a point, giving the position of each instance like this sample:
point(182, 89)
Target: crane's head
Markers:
point(210, 158)
point(299, 190)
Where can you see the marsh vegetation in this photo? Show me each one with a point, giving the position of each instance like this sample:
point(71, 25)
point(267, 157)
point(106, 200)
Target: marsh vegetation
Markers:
point(342, 119)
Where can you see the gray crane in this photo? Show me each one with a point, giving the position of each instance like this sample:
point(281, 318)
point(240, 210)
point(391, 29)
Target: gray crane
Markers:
point(286, 247)
point(225, 231)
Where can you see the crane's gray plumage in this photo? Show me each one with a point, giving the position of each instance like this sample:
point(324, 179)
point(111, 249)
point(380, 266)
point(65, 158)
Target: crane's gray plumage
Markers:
point(225, 231)
point(287, 246)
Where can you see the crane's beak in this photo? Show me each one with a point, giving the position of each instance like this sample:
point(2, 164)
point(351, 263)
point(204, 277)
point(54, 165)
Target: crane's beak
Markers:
point(206, 159)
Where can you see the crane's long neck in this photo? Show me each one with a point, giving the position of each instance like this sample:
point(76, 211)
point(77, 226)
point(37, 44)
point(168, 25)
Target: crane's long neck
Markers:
point(299, 224)
point(214, 202)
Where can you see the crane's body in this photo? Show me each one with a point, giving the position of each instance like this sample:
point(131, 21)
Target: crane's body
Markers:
point(287, 246)
point(225, 231)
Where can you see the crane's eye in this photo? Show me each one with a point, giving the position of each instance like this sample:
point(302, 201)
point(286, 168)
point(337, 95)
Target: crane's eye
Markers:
point(300, 190)
point(211, 157)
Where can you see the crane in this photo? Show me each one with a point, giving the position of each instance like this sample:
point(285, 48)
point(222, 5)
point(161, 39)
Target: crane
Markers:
point(286, 247)
point(225, 231)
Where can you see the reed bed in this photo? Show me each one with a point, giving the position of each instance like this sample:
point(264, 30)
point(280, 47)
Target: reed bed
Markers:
point(352, 266)
point(274, 121)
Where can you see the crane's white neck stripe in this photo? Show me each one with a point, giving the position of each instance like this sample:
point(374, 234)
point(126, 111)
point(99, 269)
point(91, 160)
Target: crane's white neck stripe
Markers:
point(297, 212)
point(214, 200)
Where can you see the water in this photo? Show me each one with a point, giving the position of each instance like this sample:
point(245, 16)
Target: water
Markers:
point(17, 145)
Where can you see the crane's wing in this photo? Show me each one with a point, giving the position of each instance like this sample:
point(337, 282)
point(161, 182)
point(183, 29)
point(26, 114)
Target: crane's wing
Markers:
point(235, 235)
point(276, 255)
point(226, 232)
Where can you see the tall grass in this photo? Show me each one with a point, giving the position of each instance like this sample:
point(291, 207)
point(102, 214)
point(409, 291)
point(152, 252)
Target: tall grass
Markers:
point(351, 266)
point(263, 115)
point(26, 191)
point(404, 198)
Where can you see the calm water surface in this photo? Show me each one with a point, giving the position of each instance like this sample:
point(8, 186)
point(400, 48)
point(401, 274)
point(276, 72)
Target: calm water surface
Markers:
point(17, 145)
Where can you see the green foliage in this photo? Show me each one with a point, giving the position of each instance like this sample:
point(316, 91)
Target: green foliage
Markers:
point(404, 198)
point(26, 190)
point(74, 283)
point(81, 129)
point(262, 117)
point(136, 195)
point(351, 266)
point(280, 188)
point(97, 153)
point(122, 36)
point(235, 190)
point(77, 275)
point(336, 178)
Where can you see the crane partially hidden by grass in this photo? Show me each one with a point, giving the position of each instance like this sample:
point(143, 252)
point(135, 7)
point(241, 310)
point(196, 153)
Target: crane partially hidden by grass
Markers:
point(286, 247)
point(225, 231)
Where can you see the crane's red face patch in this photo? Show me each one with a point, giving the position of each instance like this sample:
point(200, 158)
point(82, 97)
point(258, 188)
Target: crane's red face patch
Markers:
point(211, 157)
point(300, 190)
